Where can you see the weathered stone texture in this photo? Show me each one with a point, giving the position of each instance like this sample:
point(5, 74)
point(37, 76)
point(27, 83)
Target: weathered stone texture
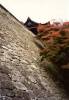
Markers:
point(21, 78)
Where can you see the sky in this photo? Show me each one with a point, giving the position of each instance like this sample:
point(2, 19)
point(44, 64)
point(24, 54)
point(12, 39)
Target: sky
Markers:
point(38, 10)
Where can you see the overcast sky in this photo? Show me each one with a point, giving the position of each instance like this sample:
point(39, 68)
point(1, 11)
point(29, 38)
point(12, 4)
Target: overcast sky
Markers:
point(38, 10)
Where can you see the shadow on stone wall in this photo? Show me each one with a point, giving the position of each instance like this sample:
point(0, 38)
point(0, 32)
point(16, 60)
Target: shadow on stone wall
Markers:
point(7, 89)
